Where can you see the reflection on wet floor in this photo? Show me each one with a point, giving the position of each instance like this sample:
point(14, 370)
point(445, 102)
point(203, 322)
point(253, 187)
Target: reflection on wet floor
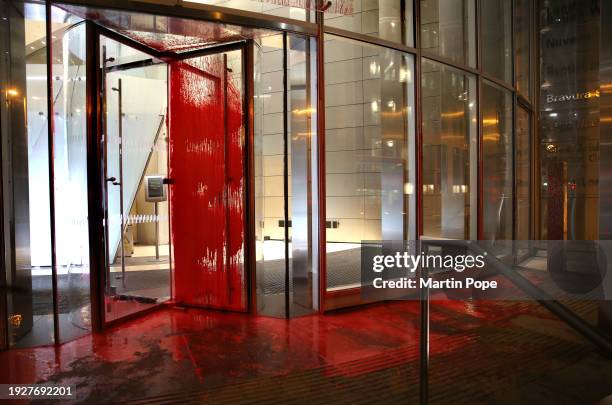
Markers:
point(481, 351)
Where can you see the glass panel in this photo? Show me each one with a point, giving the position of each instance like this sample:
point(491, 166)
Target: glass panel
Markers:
point(449, 152)
point(369, 149)
point(496, 38)
point(569, 120)
point(137, 237)
point(301, 78)
point(448, 29)
point(523, 33)
point(70, 135)
point(523, 177)
point(386, 19)
point(269, 176)
point(25, 160)
point(497, 182)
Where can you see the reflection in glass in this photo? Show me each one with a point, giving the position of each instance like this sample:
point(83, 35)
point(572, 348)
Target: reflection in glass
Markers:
point(369, 151)
point(276, 253)
point(448, 29)
point(523, 175)
point(70, 164)
point(449, 152)
point(522, 44)
point(569, 126)
point(385, 19)
point(496, 36)
point(269, 176)
point(25, 192)
point(302, 101)
point(497, 169)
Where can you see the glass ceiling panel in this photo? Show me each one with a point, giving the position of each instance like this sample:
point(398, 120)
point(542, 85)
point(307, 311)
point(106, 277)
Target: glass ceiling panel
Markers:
point(167, 34)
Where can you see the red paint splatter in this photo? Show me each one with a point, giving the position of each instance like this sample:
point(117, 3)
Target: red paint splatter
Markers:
point(206, 200)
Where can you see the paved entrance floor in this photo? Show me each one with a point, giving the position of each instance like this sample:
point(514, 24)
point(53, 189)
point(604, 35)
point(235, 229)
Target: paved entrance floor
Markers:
point(481, 352)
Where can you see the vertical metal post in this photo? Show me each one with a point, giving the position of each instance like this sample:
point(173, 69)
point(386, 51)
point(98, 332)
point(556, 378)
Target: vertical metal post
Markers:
point(119, 90)
point(104, 125)
point(424, 292)
point(248, 79)
point(418, 144)
point(479, 131)
point(156, 231)
point(51, 157)
point(226, 180)
point(4, 340)
point(321, 157)
point(96, 177)
point(424, 343)
point(286, 172)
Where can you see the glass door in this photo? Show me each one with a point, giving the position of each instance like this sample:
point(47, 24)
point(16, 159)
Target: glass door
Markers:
point(208, 195)
point(137, 232)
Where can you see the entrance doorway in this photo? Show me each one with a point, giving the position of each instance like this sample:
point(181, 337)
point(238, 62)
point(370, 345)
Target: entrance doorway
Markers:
point(172, 158)
point(135, 162)
point(173, 167)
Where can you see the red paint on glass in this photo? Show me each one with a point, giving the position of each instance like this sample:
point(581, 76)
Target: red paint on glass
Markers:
point(206, 164)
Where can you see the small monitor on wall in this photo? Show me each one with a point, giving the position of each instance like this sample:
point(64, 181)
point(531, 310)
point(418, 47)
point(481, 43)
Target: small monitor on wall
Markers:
point(155, 191)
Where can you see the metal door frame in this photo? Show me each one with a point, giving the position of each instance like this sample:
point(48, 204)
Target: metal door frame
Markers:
point(96, 165)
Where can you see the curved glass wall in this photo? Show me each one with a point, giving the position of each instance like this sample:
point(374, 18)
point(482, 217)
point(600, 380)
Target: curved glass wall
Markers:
point(471, 154)
point(468, 163)
point(70, 176)
point(30, 272)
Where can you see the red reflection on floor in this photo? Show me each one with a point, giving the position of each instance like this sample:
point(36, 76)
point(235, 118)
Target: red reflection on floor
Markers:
point(175, 349)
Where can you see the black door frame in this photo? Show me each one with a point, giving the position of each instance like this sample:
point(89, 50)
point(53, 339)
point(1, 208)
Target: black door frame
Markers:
point(96, 169)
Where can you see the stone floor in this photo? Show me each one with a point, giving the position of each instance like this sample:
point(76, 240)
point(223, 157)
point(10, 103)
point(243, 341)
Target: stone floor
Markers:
point(481, 352)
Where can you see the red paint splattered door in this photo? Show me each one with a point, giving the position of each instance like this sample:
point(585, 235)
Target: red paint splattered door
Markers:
point(207, 198)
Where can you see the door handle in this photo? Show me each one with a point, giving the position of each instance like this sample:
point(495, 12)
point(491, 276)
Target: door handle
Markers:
point(113, 180)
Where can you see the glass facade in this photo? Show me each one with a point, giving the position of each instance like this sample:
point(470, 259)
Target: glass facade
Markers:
point(496, 37)
point(26, 193)
point(427, 134)
point(70, 175)
point(450, 148)
point(569, 120)
point(523, 172)
point(369, 152)
point(523, 47)
point(391, 20)
point(448, 29)
point(497, 156)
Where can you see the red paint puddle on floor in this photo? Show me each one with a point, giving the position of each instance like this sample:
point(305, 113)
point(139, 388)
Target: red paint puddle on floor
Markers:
point(214, 346)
